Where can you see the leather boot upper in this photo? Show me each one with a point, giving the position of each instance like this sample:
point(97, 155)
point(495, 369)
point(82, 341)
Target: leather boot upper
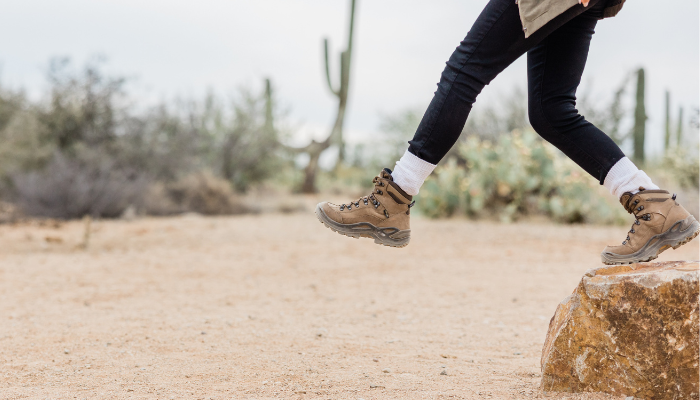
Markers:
point(655, 212)
point(387, 206)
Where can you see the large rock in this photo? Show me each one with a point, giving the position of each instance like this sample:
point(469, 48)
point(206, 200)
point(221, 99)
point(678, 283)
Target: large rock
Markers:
point(630, 329)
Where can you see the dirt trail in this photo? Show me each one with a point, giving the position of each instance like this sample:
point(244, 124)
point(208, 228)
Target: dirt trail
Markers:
point(277, 306)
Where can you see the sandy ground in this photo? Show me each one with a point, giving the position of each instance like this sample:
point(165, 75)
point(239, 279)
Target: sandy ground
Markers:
point(277, 306)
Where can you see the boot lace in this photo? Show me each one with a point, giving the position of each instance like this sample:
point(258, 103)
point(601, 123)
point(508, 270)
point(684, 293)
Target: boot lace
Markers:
point(638, 215)
point(367, 199)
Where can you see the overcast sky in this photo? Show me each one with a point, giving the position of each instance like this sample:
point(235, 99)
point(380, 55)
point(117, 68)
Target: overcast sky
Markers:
point(182, 48)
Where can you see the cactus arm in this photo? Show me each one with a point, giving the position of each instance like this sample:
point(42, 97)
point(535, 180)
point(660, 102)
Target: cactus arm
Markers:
point(352, 27)
point(679, 131)
point(269, 118)
point(344, 75)
point(640, 118)
point(328, 69)
point(667, 121)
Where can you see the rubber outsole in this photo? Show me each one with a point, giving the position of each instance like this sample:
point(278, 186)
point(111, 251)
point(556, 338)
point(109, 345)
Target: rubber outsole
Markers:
point(391, 237)
point(674, 237)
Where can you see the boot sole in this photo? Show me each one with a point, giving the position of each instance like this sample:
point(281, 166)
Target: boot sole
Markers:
point(675, 237)
point(392, 237)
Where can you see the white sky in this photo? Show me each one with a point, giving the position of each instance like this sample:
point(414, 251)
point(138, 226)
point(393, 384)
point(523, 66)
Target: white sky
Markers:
point(182, 48)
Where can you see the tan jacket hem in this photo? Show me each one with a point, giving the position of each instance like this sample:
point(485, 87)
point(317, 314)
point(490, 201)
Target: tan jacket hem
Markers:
point(532, 26)
point(613, 10)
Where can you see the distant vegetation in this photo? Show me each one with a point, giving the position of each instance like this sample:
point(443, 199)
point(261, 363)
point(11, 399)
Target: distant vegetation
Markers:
point(500, 168)
point(86, 148)
point(83, 149)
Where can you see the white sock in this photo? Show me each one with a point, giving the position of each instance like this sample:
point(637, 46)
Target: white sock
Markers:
point(624, 176)
point(410, 172)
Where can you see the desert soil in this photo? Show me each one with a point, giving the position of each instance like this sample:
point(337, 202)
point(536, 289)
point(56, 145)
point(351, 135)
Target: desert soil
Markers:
point(277, 306)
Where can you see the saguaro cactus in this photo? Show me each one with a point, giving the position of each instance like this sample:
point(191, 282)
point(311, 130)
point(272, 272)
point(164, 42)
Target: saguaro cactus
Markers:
point(269, 118)
point(640, 119)
point(342, 91)
point(679, 130)
point(667, 136)
point(314, 149)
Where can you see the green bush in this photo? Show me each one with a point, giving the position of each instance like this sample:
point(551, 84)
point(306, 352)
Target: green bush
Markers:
point(515, 176)
point(681, 165)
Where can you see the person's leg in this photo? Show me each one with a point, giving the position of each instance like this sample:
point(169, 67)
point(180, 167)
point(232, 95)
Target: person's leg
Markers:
point(555, 66)
point(494, 42)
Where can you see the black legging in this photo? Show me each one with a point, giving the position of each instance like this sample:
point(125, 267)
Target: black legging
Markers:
point(556, 57)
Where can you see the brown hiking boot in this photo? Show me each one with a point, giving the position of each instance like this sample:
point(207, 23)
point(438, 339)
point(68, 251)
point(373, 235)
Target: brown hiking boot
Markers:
point(660, 223)
point(383, 215)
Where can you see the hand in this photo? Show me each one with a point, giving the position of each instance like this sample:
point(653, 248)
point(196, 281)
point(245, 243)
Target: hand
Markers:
point(584, 2)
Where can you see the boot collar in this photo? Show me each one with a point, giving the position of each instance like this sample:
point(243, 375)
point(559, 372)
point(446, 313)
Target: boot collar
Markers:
point(627, 199)
point(386, 174)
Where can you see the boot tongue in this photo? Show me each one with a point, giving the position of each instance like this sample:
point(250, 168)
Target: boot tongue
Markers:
point(626, 199)
point(386, 174)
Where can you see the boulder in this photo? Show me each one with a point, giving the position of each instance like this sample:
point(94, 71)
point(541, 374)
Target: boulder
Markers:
point(627, 330)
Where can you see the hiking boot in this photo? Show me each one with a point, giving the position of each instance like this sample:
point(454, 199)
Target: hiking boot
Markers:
point(383, 215)
point(660, 223)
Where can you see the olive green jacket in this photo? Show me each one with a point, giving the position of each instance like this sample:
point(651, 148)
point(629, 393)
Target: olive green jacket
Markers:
point(534, 14)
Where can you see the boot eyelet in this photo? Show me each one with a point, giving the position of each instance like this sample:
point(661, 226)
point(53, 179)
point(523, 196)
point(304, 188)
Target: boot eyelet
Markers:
point(386, 213)
point(379, 192)
point(342, 207)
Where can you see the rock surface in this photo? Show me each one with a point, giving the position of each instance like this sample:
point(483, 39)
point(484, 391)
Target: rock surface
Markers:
point(630, 329)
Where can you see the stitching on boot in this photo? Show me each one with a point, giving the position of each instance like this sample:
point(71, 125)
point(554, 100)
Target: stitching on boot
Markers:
point(393, 196)
point(401, 192)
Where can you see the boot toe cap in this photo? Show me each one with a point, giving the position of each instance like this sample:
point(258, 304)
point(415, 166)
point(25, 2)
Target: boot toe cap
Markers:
point(618, 250)
point(331, 210)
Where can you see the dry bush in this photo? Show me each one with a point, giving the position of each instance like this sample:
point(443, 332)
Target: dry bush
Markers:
point(202, 193)
point(72, 188)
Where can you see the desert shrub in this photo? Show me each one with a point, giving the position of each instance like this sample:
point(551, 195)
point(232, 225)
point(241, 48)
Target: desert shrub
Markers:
point(233, 140)
point(250, 151)
point(201, 192)
point(517, 175)
point(23, 139)
point(92, 184)
point(82, 108)
point(23, 145)
point(83, 139)
point(682, 166)
point(347, 180)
